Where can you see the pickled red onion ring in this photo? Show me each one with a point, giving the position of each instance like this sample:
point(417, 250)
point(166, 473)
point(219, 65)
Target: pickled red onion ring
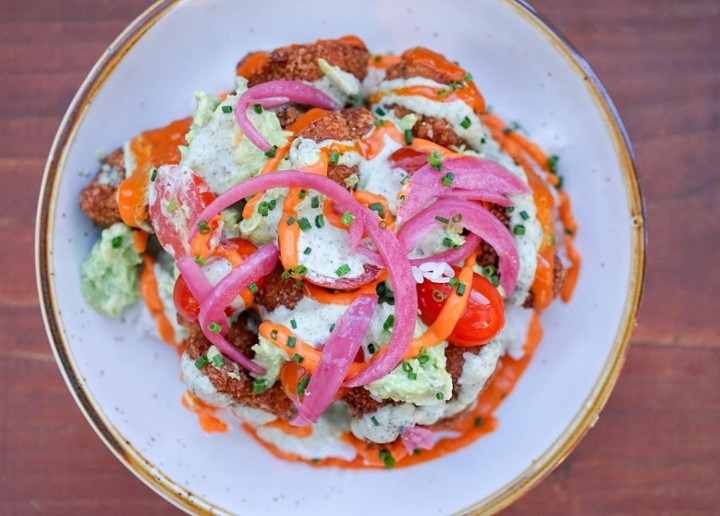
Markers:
point(485, 180)
point(194, 277)
point(476, 219)
point(417, 437)
point(212, 318)
point(272, 94)
point(337, 357)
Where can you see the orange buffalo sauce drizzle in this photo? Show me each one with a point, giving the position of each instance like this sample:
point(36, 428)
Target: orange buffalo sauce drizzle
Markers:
point(476, 423)
point(206, 414)
point(252, 65)
point(382, 61)
point(326, 297)
point(520, 148)
point(151, 296)
point(149, 150)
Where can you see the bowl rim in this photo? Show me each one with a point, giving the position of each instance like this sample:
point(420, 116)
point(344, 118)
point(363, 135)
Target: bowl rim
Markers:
point(184, 499)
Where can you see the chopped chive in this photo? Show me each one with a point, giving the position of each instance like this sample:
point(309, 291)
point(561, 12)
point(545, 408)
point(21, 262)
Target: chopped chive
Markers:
point(253, 288)
point(389, 322)
point(258, 108)
point(371, 348)
point(447, 179)
point(408, 137)
point(332, 327)
point(457, 217)
point(302, 194)
point(447, 242)
point(440, 395)
point(378, 208)
point(260, 385)
point(405, 179)
point(423, 359)
point(200, 260)
point(342, 270)
point(387, 458)
point(291, 221)
point(334, 157)
point(513, 127)
point(412, 376)
point(380, 111)
point(304, 224)
point(153, 175)
point(172, 205)
point(116, 242)
point(296, 271)
point(510, 209)
point(204, 227)
point(293, 324)
point(478, 421)
point(569, 231)
point(319, 220)
point(435, 158)
point(271, 153)
point(407, 367)
point(298, 359)
point(461, 289)
point(316, 461)
point(442, 219)
point(379, 122)
point(272, 204)
point(274, 334)
point(315, 202)
point(263, 208)
point(307, 250)
point(495, 280)
point(378, 58)
point(347, 218)
point(218, 360)
point(552, 163)
point(453, 282)
point(375, 421)
point(559, 185)
point(228, 109)
point(468, 77)
point(201, 361)
point(519, 229)
point(291, 341)
point(488, 270)
point(214, 327)
point(524, 215)
point(466, 122)
point(302, 385)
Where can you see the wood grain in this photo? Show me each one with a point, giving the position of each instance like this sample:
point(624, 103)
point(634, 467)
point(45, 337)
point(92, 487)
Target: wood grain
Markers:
point(655, 448)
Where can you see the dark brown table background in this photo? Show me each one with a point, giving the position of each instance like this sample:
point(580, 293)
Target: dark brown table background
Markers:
point(656, 447)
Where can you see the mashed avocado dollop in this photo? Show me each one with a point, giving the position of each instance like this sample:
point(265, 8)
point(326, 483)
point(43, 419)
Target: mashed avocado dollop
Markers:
point(109, 276)
point(271, 358)
point(422, 380)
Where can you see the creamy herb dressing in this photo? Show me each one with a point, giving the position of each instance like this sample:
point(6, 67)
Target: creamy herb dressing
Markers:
point(324, 442)
point(200, 385)
point(455, 112)
point(376, 176)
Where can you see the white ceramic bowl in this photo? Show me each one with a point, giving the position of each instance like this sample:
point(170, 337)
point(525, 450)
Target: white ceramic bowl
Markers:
point(128, 385)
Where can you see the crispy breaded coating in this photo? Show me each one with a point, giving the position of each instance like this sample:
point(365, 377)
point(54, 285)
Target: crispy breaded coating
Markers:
point(487, 255)
point(341, 173)
point(455, 360)
point(300, 62)
point(436, 130)
point(98, 200)
point(360, 402)
point(278, 291)
point(347, 124)
point(240, 385)
point(289, 114)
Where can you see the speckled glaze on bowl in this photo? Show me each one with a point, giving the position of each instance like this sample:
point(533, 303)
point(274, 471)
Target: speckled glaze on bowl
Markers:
point(127, 385)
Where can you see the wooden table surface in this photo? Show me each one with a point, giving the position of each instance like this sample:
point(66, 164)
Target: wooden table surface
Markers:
point(656, 448)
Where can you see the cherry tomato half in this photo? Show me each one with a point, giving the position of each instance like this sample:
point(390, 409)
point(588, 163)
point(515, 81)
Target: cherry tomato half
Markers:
point(484, 315)
point(234, 250)
point(408, 159)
